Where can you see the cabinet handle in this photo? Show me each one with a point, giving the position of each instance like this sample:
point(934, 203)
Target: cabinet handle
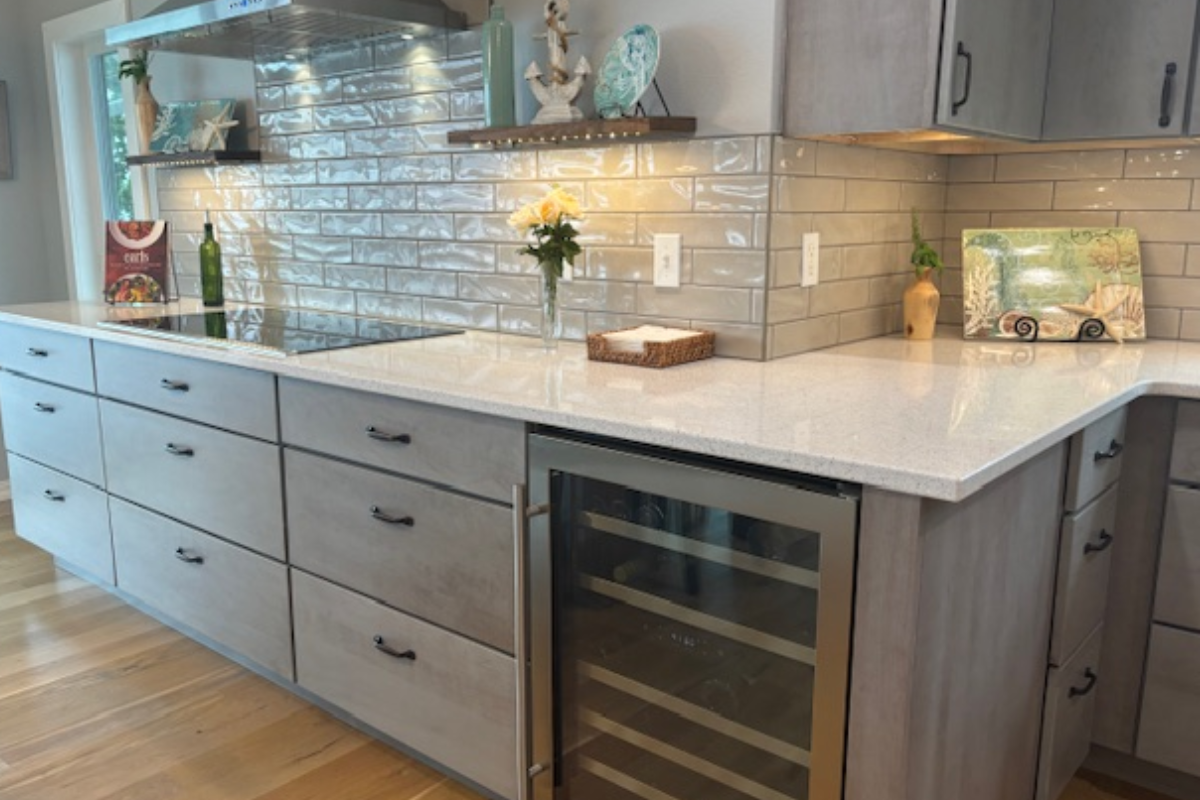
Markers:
point(35, 352)
point(174, 386)
point(1106, 540)
point(382, 647)
point(379, 514)
point(1115, 449)
point(962, 52)
point(44, 408)
point(1092, 677)
point(1168, 94)
point(394, 438)
point(182, 452)
point(54, 497)
point(188, 558)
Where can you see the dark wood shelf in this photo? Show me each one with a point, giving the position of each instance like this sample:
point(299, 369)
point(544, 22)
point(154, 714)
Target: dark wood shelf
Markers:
point(210, 158)
point(588, 130)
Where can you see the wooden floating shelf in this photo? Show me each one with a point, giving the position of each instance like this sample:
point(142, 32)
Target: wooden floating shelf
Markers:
point(210, 158)
point(589, 130)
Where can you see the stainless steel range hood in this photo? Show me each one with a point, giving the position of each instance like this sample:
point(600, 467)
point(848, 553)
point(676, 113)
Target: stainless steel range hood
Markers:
point(249, 28)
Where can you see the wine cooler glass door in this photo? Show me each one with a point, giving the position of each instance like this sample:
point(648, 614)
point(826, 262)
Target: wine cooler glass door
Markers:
point(698, 631)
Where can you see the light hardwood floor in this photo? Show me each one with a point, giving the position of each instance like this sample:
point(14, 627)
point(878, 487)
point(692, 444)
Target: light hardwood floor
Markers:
point(100, 702)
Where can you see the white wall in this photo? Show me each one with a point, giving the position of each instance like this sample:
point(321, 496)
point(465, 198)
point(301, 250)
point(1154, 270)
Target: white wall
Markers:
point(721, 61)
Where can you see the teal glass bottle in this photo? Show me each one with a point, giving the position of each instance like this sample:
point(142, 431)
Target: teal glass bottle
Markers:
point(212, 284)
point(499, 104)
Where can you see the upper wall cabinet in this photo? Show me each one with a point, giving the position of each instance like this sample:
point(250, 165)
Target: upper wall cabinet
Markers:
point(862, 66)
point(1119, 68)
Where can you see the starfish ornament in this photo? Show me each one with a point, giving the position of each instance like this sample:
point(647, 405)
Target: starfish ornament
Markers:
point(216, 130)
point(1097, 310)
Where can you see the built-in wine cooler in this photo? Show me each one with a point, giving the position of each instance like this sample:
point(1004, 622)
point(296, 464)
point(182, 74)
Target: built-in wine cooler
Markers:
point(689, 628)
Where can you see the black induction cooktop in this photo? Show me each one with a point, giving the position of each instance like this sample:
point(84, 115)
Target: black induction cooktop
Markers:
point(278, 331)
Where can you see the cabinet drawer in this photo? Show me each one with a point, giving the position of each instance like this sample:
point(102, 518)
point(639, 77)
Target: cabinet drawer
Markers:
point(1170, 722)
point(1084, 559)
point(1185, 451)
point(1067, 721)
point(60, 358)
point(53, 426)
point(224, 483)
point(233, 398)
point(63, 516)
point(473, 452)
point(1095, 459)
point(442, 557)
point(454, 701)
point(1177, 601)
point(230, 595)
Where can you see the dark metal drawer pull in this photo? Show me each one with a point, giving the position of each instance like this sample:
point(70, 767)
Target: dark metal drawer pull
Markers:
point(174, 386)
point(379, 514)
point(382, 647)
point(54, 496)
point(1168, 94)
point(44, 408)
point(955, 105)
point(35, 352)
point(182, 452)
point(1092, 677)
point(1114, 449)
point(1106, 540)
point(395, 438)
point(188, 558)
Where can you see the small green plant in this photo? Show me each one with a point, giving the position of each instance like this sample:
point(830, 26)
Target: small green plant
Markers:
point(137, 67)
point(924, 258)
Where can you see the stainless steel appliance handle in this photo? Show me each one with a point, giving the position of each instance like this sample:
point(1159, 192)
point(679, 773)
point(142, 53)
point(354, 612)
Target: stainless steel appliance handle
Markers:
point(534, 642)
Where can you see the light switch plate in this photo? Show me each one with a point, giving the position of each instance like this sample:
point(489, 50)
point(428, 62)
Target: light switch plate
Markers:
point(810, 272)
point(668, 253)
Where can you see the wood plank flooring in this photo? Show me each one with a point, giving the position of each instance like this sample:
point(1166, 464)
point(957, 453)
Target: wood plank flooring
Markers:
point(100, 702)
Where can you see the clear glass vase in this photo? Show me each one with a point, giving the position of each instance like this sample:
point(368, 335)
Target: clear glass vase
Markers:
point(552, 325)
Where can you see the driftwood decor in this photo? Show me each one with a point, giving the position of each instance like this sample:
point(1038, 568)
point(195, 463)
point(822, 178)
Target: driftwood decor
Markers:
point(6, 165)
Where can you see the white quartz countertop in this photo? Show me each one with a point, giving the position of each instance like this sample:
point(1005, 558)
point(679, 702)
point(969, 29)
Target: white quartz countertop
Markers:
point(937, 419)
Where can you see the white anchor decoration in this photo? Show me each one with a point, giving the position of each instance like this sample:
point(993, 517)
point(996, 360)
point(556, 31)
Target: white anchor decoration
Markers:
point(558, 95)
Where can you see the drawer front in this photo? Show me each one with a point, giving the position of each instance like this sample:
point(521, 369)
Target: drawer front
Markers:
point(1185, 451)
point(221, 482)
point(1170, 721)
point(1084, 559)
point(47, 355)
point(476, 453)
point(1095, 459)
point(232, 398)
point(438, 556)
point(1177, 600)
point(1067, 724)
point(53, 426)
point(230, 595)
point(454, 702)
point(63, 516)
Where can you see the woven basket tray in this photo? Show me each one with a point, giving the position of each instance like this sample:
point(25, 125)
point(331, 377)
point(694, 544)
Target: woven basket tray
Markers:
point(655, 354)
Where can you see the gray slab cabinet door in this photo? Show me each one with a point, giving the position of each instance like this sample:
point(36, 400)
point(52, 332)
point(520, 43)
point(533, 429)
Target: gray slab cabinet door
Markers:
point(995, 56)
point(1119, 68)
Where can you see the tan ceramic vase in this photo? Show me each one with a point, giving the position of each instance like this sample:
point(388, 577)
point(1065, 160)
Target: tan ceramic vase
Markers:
point(147, 113)
point(921, 301)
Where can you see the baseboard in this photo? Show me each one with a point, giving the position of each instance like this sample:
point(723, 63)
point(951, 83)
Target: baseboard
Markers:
point(1134, 771)
point(5, 492)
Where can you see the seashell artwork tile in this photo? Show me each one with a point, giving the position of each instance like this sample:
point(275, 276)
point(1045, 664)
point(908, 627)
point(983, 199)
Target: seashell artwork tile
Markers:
point(1053, 284)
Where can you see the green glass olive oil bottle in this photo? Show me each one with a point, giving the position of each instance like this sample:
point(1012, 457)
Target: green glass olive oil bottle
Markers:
point(211, 282)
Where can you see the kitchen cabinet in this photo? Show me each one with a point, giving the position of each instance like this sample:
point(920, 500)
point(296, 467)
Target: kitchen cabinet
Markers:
point(1170, 725)
point(1119, 69)
point(866, 66)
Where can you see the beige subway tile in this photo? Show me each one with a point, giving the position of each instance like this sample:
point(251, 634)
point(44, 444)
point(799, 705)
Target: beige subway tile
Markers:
point(1189, 329)
point(1191, 264)
point(608, 229)
point(727, 156)
point(695, 302)
point(844, 229)
point(924, 197)
point(898, 227)
point(511, 196)
point(1060, 165)
point(511, 289)
point(606, 296)
point(1054, 219)
point(1172, 292)
point(1164, 226)
point(869, 323)
point(872, 196)
point(794, 156)
point(787, 230)
point(520, 320)
point(1175, 162)
point(482, 316)
point(950, 314)
point(786, 264)
point(1164, 259)
point(999, 196)
point(846, 161)
point(901, 165)
point(838, 296)
point(762, 231)
point(699, 230)
point(798, 195)
point(791, 338)
point(972, 169)
point(495, 166)
point(738, 268)
point(672, 194)
point(1163, 323)
point(733, 193)
point(787, 305)
point(888, 289)
point(620, 264)
point(954, 223)
point(737, 341)
point(1164, 195)
point(869, 260)
point(599, 162)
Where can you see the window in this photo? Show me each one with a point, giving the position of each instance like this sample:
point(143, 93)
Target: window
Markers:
point(116, 183)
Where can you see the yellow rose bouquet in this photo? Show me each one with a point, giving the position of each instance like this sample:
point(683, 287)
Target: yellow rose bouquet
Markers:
point(549, 222)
